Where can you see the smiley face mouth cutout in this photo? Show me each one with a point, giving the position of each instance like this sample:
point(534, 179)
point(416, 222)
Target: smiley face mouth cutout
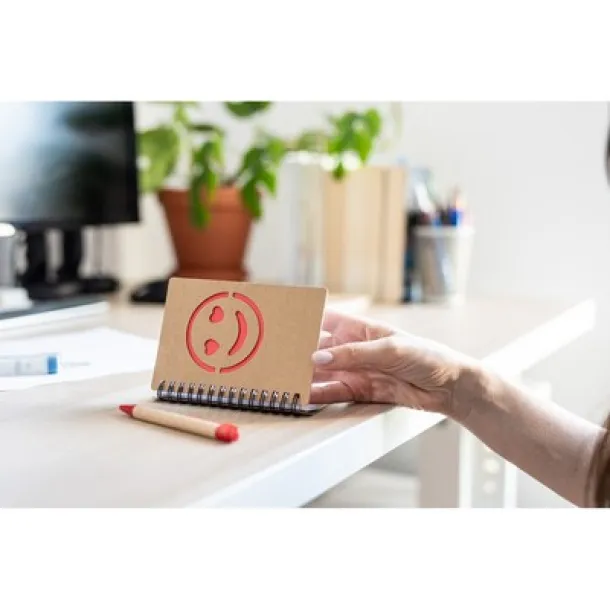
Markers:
point(242, 333)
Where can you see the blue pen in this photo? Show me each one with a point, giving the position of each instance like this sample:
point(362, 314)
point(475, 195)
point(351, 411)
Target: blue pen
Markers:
point(455, 211)
point(454, 216)
point(28, 364)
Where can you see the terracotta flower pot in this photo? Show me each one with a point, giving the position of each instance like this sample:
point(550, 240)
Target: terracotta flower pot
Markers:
point(216, 251)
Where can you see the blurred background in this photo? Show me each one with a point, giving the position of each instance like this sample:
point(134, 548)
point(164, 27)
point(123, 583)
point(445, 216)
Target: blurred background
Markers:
point(529, 179)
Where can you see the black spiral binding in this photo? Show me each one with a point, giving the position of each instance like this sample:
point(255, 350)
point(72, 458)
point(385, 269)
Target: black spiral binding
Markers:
point(243, 399)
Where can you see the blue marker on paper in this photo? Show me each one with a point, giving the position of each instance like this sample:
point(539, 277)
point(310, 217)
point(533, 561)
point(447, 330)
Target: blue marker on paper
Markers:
point(24, 364)
point(53, 364)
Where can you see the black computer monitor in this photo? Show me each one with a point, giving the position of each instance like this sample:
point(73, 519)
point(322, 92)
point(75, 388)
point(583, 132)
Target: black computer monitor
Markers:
point(66, 166)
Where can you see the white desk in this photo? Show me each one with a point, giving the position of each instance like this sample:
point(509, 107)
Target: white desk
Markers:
point(66, 445)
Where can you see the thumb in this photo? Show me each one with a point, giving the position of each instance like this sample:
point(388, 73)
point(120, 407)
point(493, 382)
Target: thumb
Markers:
point(357, 355)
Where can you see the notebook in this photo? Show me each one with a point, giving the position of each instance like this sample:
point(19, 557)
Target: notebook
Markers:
point(239, 345)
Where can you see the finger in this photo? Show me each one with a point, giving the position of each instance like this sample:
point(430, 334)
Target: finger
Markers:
point(326, 340)
point(358, 355)
point(334, 317)
point(320, 376)
point(357, 325)
point(330, 392)
point(331, 319)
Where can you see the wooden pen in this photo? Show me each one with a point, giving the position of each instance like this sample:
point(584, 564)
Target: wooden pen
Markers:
point(226, 433)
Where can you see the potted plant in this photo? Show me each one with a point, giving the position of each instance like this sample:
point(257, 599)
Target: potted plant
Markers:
point(210, 212)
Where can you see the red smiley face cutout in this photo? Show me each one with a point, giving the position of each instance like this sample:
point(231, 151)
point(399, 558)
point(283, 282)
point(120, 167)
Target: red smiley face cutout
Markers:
point(224, 332)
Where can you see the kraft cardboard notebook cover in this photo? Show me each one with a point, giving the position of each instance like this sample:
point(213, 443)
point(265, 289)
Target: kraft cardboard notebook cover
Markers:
point(238, 344)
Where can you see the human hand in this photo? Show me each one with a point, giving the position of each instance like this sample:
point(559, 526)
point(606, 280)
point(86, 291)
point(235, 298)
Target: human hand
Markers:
point(360, 360)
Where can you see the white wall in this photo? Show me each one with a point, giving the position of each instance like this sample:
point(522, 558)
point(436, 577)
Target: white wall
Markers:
point(533, 174)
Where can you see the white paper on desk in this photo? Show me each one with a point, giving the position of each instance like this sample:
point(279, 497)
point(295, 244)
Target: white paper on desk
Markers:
point(82, 355)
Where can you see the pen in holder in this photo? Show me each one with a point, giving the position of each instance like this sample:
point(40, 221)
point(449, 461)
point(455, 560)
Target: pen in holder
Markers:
point(442, 260)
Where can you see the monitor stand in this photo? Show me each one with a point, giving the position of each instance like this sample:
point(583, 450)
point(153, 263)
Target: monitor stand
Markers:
point(67, 282)
point(55, 297)
point(38, 280)
point(98, 283)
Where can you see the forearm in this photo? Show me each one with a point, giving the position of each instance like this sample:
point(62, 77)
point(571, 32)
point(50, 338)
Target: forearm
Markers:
point(547, 442)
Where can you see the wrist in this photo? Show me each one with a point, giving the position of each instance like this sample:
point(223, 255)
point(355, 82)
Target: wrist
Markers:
point(472, 390)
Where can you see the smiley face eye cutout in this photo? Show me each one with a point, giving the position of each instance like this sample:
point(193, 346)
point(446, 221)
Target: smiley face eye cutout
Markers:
point(217, 315)
point(210, 347)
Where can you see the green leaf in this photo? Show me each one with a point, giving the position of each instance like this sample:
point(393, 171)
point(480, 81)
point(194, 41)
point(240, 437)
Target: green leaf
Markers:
point(364, 145)
point(339, 172)
point(156, 142)
point(246, 109)
point(334, 145)
point(253, 158)
point(354, 132)
point(180, 114)
point(252, 198)
point(201, 156)
point(341, 143)
point(158, 151)
point(373, 120)
point(206, 128)
point(217, 152)
point(209, 154)
point(276, 150)
point(198, 212)
point(211, 181)
point(269, 179)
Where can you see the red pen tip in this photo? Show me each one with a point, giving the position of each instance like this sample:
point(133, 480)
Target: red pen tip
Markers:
point(227, 433)
point(127, 409)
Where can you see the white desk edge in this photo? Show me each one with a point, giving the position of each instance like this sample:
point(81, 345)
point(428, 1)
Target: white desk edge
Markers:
point(364, 444)
point(290, 483)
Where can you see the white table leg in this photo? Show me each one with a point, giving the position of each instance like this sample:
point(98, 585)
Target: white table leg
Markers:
point(439, 466)
point(457, 470)
point(488, 480)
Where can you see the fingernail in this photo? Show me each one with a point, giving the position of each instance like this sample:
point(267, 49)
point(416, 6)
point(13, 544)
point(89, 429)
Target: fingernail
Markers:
point(322, 357)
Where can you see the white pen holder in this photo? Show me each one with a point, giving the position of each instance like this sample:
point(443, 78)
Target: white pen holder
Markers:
point(442, 262)
point(8, 241)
